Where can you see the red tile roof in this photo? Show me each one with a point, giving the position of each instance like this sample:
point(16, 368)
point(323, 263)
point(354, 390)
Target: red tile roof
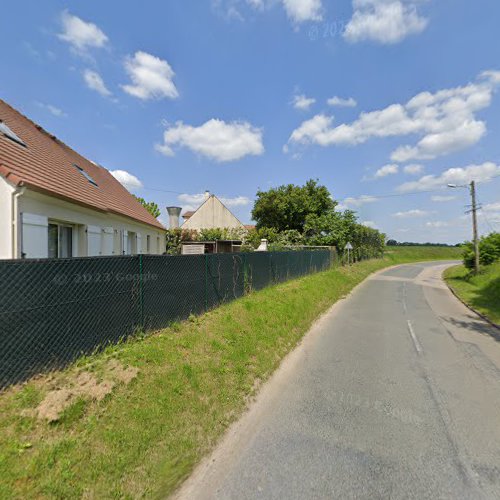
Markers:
point(48, 165)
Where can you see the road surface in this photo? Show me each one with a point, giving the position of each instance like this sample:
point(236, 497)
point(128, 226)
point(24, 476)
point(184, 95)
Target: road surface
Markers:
point(394, 394)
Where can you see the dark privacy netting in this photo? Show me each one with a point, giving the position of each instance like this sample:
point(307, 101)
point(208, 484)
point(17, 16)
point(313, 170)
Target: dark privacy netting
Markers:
point(54, 310)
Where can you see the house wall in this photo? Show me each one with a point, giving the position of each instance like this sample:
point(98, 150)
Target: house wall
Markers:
point(94, 233)
point(6, 191)
point(212, 214)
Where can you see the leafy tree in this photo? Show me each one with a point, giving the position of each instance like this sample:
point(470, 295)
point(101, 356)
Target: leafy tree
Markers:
point(332, 229)
point(288, 207)
point(391, 243)
point(489, 251)
point(175, 237)
point(150, 206)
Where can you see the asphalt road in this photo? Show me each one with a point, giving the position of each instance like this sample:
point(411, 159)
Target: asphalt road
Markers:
point(394, 394)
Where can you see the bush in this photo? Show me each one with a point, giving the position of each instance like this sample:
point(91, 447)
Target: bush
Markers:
point(489, 251)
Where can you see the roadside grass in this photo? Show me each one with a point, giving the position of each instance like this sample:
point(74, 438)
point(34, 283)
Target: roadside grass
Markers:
point(482, 292)
point(194, 379)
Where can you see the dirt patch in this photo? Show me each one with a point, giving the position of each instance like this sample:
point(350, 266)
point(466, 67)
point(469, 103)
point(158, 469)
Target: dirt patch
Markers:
point(84, 385)
point(53, 405)
point(120, 373)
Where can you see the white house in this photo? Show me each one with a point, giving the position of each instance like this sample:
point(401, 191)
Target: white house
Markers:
point(210, 214)
point(55, 203)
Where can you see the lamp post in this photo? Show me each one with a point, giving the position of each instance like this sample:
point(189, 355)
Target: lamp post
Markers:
point(472, 190)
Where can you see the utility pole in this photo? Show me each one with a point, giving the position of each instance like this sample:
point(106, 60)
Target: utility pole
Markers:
point(472, 189)
point(474, 226)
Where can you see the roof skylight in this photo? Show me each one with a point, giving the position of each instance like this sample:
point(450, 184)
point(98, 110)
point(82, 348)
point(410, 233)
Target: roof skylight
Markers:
point(5, 130)
point(86, 175)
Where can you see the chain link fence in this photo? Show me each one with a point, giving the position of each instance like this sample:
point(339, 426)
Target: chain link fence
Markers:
point(54, 310)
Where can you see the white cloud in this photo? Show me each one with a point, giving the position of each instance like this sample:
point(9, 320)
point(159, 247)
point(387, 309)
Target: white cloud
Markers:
point(238, 201)
point(442, 143)
point(369, 223)
point(215, 139)
point(436, 224)
point(411, 213)
point(491, 207)
point(127, 179)
point(384, 21)
point(256, 4)
point(302, 102)
point(300, 11)
point(339, 101)
point(441, 199)
point(458, 175)
point(52, 109)
point(446, 121)
point(357, 202)
point(193, 201)
point(81, 35)
point(413, 169)
point(386, 170)
point(95, 82)
point(152, 77)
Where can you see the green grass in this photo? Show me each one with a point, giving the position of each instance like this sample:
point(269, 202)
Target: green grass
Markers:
point(482, 292)
point(402, 254)
point(194, 379)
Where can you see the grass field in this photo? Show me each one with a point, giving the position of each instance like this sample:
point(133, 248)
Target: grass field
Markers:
point(482, 292)
point(413, 254)
point(193, 380)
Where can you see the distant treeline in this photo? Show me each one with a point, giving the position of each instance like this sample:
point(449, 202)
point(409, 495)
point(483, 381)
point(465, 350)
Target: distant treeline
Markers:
point(394, 243)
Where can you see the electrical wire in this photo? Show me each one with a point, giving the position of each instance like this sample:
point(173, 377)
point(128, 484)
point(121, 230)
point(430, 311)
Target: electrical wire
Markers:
point(360, 198)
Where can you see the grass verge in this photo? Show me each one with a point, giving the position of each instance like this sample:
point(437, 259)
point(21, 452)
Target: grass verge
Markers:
point(481, 292)
point(194, 379)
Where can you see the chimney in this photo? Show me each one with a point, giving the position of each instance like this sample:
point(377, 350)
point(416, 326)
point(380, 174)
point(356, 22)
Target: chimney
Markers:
point(173, 216)
point(207, 195)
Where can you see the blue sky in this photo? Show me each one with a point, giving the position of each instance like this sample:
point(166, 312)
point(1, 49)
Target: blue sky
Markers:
point(375, 98)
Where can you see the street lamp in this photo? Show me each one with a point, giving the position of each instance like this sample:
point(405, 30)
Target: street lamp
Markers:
point(472, 189)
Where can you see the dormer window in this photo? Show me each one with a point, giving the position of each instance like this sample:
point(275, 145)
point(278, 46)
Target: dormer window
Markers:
point(7, 132)
point(86, 175)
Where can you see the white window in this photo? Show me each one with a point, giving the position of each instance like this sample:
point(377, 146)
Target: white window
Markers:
point(60, 241)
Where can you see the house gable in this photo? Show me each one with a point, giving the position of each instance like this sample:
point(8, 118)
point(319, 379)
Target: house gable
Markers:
point(211, 214)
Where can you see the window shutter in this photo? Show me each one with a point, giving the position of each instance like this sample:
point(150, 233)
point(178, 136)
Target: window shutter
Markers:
point(93, 241)
point(35, 236)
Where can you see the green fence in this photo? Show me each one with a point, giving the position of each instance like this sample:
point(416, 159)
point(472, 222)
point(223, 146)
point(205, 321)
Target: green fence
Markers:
point(54, 310)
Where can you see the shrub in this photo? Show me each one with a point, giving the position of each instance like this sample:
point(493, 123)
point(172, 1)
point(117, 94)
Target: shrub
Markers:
point(489, 251)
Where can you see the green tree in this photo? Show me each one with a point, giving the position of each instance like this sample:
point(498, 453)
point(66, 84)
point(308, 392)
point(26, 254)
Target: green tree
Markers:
point(288, 207)
point(489, 251)
point(150, 206)
point(332, 229)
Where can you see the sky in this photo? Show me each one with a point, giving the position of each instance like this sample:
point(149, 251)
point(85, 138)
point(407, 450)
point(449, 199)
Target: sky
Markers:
point(383, 101)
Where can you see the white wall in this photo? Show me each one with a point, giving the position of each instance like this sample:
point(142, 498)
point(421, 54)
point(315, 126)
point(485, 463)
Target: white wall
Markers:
point(94, 233)
point(212, 213)
point(6, 191)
